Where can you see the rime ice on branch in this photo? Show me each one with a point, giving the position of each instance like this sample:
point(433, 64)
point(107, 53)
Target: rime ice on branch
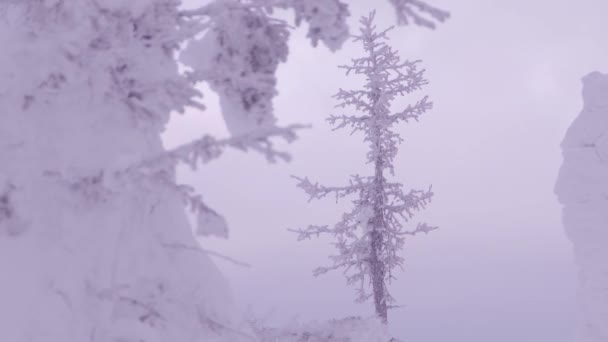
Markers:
point(419, 12)
point(243, 46)
point(371, 236)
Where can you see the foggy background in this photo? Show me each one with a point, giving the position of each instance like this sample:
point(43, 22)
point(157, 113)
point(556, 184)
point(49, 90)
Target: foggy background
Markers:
point(505, 79)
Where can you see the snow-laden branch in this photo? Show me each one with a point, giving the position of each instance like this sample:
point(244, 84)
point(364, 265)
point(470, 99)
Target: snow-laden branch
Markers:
point(199, 249)
point(356, 123)
point(310, 231)
point(208, 221)
point(412, 112)
point(207, 148)
point(158, 171)
point(318, 191)
point(404, 204)
point(419, 12)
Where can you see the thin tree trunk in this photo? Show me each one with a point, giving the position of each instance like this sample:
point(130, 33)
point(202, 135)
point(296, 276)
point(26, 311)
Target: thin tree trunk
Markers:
point(378, 278)
point(377, 267)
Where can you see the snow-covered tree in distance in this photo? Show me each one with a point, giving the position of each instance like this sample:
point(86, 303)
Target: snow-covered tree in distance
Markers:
point(94, 241)
point(582, 189)
point(371, 236)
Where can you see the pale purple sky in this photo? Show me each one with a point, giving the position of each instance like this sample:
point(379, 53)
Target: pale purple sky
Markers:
point(505, 79)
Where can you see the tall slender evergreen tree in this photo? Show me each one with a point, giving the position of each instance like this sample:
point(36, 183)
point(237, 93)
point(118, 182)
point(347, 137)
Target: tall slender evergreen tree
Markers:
point(371, 236)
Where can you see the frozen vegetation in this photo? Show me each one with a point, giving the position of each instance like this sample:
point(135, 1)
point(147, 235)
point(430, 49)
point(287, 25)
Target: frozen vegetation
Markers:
point(95, 244)
point(370, 238)
point(95, 238)
point(582, 188)
point(352, 329)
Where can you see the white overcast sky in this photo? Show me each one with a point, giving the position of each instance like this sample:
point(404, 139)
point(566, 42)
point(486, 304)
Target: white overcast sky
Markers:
point(505, 79)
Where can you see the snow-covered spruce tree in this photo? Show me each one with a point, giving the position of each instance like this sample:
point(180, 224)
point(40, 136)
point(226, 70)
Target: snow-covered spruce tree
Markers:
point(370, 238)
point(94, 241)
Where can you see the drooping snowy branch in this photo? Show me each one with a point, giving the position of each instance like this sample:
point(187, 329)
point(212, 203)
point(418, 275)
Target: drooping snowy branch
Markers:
point(207, 148)
point(370, 237)
point(326, 20)
point(419, 12)
point(199, 249)
point(238, 57)
point(158, 170)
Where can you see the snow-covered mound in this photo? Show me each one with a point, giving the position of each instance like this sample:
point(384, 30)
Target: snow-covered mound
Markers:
point(352, 329)
point(582, 188)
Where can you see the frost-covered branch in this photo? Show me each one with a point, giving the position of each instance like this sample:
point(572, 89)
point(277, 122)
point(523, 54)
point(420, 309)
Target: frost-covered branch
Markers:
point(356, 123)
point(199, 249)
point(311, 231)
point(317, 191)
point(238, 56)
point(419, 12)
point(412, 112)
point(207, 148)
point(326, 20)
point(156, 170)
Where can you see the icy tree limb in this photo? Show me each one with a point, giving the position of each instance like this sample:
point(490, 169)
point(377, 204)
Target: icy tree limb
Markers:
point(415, 11)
